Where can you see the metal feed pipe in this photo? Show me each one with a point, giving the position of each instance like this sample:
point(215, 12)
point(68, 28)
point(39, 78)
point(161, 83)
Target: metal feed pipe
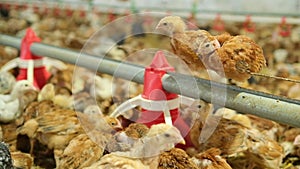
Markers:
point(276, 108)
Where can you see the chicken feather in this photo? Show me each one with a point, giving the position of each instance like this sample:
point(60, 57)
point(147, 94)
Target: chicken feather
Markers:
point(236, 57)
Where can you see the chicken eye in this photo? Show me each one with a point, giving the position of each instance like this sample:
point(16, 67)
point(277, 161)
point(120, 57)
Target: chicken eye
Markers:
point(26, 85)
point(207, 45)
point(167, 135)
point(165, 23)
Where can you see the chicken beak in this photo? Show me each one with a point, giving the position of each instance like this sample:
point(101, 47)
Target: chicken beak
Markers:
point(35, 88)
point(158, 27)
point(182, 142)
point(118, 127)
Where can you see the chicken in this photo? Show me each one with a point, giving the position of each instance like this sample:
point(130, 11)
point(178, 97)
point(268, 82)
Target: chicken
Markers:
point(181, 40)
point(35, 109)
point(267, 127)
point(15, 25)
point(54, 129)
point(22, 160)
point(9, 134)
point(110, 161)
point(262, 151)
point(236, 56)
point(228, 136)
point(297, 141)
point(98, 127)
point(62, 78)
point(80, 152)
point(10, 104)
point(82, 100)
point(162, 136)
point(102, 88)
point(136, 130)
point(210, 159)
point(7, 81)
point(175, 158)
point(48, 93)
point(18, 88)
point(294, 92)
point(241, 57)
point(5, 157)
point(27, 97)
point(122, 141)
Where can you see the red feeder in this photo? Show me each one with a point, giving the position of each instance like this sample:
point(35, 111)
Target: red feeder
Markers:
point(40, 74)
point(219, 24)
point(148, 20)
point(46, 10)
point(7, 6)
point(56, 11)
point(158, 105)
point(168, 13)
point(82, 13)
point(16, 6)
point(69, 11)
point(154, 91)
point(111, 16)
point(249, 26)
point(284, 28)
point(25, 6)
point(36, 9)
point(128, 18)
point(192, 22)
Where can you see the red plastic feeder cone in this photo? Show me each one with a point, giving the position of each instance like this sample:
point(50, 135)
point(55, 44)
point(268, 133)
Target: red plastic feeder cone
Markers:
point(284, 28)
point(218, 24)
point(154, 93)
point(40, 74)
point(249, 26)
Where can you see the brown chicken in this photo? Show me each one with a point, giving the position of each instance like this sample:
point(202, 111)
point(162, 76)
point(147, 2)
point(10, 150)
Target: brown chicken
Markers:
point(181, 40)
point(175, 158)
point(262, 151)
point(98, 127)
point(210, 159)
point(81, 152)
point(22, 160)
point(229, 136)
point(121, 141)
point(110, 161)
point(236, 56)
point(54, 129)
point(136, 130)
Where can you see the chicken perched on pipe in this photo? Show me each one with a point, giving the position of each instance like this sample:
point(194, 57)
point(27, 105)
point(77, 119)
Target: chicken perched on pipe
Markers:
point(235, 56)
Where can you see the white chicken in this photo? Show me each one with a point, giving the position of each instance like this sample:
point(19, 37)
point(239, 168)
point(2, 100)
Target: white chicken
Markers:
point(7, 81)
point(102, 88)
point(10, 103)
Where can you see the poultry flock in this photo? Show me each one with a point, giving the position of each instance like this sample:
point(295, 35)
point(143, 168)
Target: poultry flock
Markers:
point(51, 133)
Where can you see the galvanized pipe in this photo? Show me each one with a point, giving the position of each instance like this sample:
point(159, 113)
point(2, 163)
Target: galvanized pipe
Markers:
point(276, 108)
point(124, 70)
